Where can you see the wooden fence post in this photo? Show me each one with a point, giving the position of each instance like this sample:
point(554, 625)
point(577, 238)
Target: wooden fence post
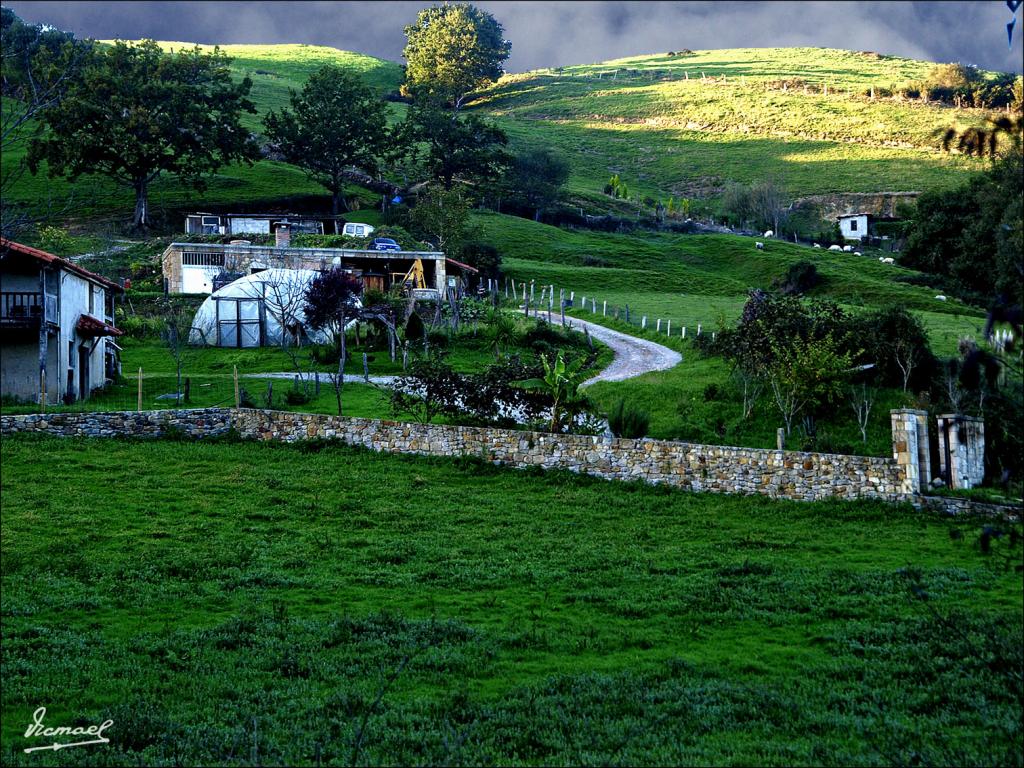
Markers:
point(669, 331)
point(139, 404)
point(238, 402)
point(658, 328)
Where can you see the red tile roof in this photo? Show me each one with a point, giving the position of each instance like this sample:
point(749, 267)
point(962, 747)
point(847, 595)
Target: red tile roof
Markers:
point(460, 264)
point(49, 258)
point(88, 325)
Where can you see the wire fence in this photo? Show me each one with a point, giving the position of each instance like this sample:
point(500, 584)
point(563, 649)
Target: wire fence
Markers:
point(548, 301)
point(139, 390)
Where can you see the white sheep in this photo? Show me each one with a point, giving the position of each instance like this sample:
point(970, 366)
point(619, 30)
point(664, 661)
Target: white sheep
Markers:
point(940, 297)
point(847, 249)
point(882, 259)
point(816, 245)
point(769, 233)
point(888, 260)
point(760, 245)
point(835, 248)
point(857, 253)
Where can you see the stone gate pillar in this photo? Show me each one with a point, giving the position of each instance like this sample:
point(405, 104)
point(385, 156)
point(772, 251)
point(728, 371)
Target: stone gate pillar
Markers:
point(961, 450)
point(910, 448)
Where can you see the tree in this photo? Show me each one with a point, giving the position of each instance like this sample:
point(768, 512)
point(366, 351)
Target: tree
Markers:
point(37, 65)
point(335, 123)
point(806, 375)
point(331, 301)
point(430, 388)
point(973, 235)
point(536, 177)
point(177, 327)
point(762, 204)
point(441, 216)
point(561, 381)
point(450, 147)
point(136, 112)
point(895, 342)
point(861, 398)
point(451, 51)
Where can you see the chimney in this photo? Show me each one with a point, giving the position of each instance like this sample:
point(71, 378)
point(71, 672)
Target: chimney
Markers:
point(283, 235)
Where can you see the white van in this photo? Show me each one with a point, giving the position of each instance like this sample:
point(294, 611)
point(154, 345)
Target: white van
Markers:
point(355, 229)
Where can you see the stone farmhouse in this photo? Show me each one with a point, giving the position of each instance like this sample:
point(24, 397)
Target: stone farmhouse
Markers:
point(57, 332)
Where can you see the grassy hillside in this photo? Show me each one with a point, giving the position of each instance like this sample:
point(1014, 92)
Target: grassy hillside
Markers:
point(227, 603)
point(685, 124)
point(640, 118)
point(274, 69)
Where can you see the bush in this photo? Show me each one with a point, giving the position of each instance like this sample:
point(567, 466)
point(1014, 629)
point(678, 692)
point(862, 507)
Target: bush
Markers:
point(594, 261)
point(296, 397)
point(799, 278)
point(245, 399)
point(484, 257)
point(628, 421)
point(712, 392)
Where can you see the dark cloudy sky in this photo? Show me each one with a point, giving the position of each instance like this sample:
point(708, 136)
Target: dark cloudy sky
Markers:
point(547, 34)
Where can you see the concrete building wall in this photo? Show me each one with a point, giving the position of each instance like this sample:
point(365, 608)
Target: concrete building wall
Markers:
point(854, 227)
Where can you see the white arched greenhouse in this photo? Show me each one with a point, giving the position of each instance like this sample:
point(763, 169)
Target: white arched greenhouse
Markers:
point(262, 309)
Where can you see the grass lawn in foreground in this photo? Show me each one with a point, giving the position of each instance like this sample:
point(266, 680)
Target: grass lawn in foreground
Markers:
point(232, 603)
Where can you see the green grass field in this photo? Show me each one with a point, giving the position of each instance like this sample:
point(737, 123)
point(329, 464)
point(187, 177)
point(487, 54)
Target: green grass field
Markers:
point(665, 135)
point(245, 603)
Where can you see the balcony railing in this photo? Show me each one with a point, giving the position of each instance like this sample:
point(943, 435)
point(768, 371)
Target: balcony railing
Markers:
point(25, 309)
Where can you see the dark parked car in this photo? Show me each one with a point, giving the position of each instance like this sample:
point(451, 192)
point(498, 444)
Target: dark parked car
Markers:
point(384, 244)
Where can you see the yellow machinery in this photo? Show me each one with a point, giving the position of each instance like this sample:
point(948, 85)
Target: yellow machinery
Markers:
point(414, 278)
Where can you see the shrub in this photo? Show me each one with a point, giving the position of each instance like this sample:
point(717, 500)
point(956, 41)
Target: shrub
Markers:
point(594, 261)
point(712, 392)
point(245, 399)
point(628, 421)
point(484, 257)
point(296, 397)
point(799, 278)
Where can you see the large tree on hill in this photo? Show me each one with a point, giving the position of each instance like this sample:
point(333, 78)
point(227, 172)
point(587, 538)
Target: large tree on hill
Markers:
point(537, 177)
point(451, 51)
point(452, 147)
point(36, 67)
point(336, 124)
point(136, 112)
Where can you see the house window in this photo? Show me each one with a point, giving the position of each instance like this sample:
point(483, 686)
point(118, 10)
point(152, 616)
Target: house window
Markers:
point(211, 225)
point(197, 259)
point(853, 225)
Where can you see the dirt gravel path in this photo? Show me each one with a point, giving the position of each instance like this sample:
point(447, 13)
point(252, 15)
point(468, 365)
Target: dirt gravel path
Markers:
point(633, 356)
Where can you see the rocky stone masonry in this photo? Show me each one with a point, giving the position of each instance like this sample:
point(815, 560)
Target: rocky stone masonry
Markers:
point(721, 469)
point(197, 423)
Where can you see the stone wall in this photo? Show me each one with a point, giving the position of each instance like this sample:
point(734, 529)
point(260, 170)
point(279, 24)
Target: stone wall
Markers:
point(203, 422)
point(956, 506)
point(719, 469)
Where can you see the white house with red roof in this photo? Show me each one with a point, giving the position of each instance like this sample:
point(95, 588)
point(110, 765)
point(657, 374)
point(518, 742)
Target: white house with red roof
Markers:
point(57, 327)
